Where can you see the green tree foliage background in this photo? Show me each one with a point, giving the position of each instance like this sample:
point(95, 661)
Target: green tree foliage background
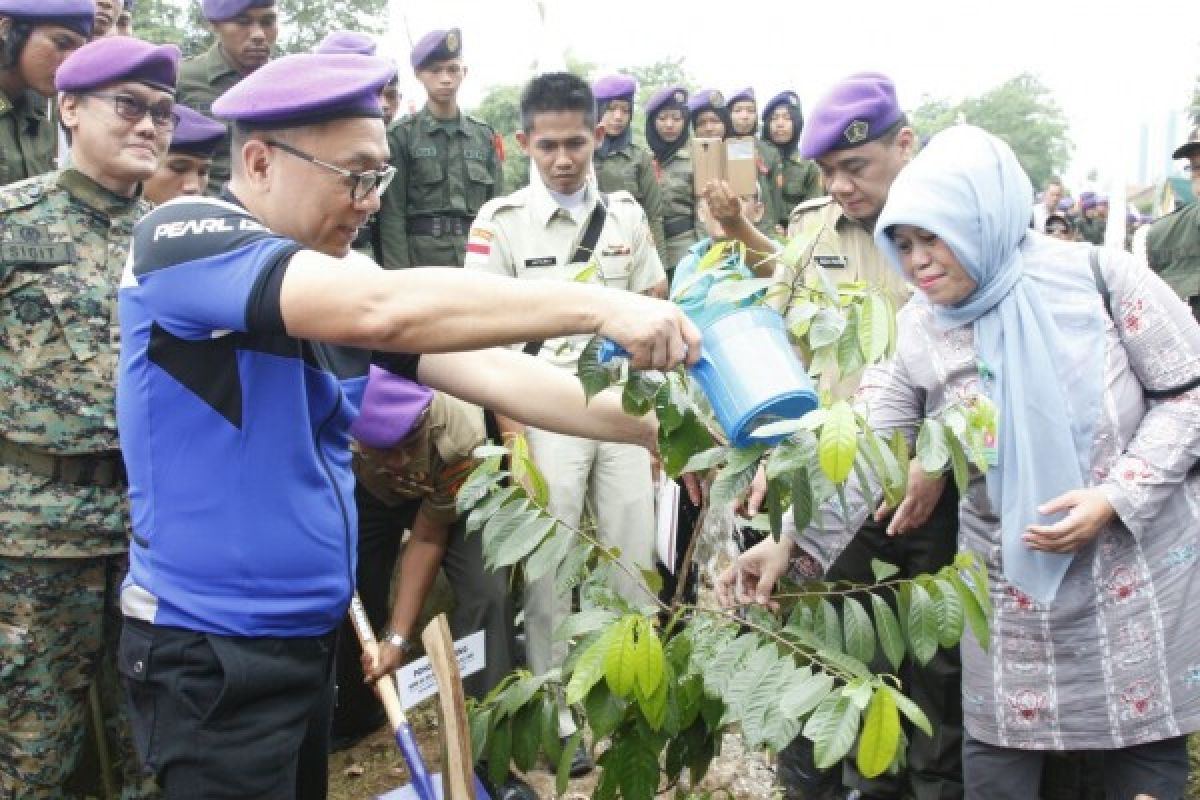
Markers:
point(1020, 111)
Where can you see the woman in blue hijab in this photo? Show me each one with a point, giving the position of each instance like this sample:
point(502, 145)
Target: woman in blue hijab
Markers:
point(1088, 517)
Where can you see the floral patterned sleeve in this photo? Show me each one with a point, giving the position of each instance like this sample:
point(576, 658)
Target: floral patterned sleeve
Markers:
point(888, 399)
point(1162, 342)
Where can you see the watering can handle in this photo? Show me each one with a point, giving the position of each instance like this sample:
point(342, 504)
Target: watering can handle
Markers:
point(609, 350)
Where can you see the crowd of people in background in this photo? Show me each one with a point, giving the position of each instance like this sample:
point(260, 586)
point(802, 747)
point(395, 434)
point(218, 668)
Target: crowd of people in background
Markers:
point(203, 367)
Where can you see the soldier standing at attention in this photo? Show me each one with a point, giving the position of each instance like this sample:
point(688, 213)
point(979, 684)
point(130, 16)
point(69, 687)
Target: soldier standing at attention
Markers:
point(1173, 242)
point(35, 37)
point(620, 164)
point(65, 525)
point(667, 135)
point(447, 165)
point(743, 115)
point(798, 179)
point(708, 115)
point(185, 169)
point(246, 31)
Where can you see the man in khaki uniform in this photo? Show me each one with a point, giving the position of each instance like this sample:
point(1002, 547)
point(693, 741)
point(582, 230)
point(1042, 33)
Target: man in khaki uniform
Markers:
point(246, 31)
point(535, 234)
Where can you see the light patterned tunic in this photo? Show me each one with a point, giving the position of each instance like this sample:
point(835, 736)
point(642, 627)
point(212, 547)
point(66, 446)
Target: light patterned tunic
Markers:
point(1115, 660)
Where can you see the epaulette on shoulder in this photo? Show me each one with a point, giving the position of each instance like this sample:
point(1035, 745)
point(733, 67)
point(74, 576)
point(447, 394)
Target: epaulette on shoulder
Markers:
point(494, 207)
point(481, 122)
point(621, 196)
point(22, 194)
point(812, 204)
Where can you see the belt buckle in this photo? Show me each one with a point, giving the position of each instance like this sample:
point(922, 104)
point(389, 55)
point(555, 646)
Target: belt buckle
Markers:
point(437, 227)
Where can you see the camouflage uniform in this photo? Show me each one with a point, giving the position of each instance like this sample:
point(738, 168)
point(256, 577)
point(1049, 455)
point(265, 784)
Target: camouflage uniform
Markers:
point(201, 81)
point(445, 171)
point(1091, 229)
point(631, 169)
point(798, 180)
point(769, 167)
point(27, 138)
point(63, 532)
point(679, 207)
point(1173, 251)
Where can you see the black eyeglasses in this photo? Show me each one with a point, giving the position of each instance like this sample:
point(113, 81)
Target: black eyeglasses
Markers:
point(361, 183)
point(131, 109)
point(1053, 229)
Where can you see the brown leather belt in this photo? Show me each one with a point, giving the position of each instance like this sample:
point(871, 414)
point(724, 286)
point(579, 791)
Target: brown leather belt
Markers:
point(104, 469)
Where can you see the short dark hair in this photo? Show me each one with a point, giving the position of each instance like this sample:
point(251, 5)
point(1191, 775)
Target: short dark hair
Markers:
point(14, 42)
point(888, 137)
point(557, 91)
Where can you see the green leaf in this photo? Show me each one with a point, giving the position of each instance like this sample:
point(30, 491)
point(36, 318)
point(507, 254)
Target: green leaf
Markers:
point(535, 527)
point(637, 770)
point(784, 427)
point(479, 720)
point(827, 626)
point(860, 635)
point(649, 657)
point(976, 617)
point(588, 273)
point(790, 455)
point(551, 744)
point(604, 710)
point(526, 473)
point(563, 774)
point(839, 442)
point(803, 501)
point(637, 398)
point(570, 571)
point(706, 459)
point(621, 660)
point(549, 554)
point(891, 638)
point(654, 704)
point(732, 479)
point(583, 622)
point(478, 484)
point(500, 752)
point(899, 447)
point(912, 712)
point(527, 736)
point(931, 446)
point(832, 729)
point(922, 625)
point(484, 511)
point(882, 570)
point(594, 376)
point(950, 612)
point(880, 737)
point(746, 679)
point(589, 669)
point(775, 507)
point(826, 328)
point(958, 462)
point(505, 524)
point(849, 356)
point(873, 324)
point(678, 444)
point(806, 695)
point(883, 463)
point(719, 671)
point(735, 291)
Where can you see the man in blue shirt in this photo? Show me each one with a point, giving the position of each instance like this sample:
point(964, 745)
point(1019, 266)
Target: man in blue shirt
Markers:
point(247, 330)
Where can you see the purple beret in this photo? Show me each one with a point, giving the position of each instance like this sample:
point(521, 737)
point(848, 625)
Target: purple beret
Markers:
point(614, 87)
point(857, 110)
point(391, 407)
point(739, 96)
point(77, 15)
point(1087, 202)
point(436, 46)
point(222, 10)
point(1065, 204)
point(1101, 199)
point(347, 42)
point(305, 88)
point(787, 98)
point(195, 133)
point(118, 58)
point(705, 99)
point(667, 97)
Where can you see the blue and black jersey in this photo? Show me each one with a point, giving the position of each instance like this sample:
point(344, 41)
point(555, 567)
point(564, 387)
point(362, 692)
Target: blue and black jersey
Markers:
point(235, 434)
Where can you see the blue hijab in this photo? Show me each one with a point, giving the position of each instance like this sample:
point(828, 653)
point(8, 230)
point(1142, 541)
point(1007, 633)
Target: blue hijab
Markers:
point(967, 187)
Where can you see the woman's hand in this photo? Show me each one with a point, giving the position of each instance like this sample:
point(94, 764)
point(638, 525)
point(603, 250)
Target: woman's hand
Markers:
point(920, 498)
point(751, 502)
point(1088, 510)
point(752, 577)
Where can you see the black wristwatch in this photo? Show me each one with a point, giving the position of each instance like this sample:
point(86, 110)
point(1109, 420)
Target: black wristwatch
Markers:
point(396, 640)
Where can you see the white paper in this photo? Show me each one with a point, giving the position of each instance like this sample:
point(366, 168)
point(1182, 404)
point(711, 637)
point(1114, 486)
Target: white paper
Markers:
point(416, 682)
point(667, 522)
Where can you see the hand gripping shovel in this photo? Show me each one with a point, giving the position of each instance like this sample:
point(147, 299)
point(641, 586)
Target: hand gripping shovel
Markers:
point(460, 778)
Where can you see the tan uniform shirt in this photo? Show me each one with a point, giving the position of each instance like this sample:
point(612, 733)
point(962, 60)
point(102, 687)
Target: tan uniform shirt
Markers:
point(528, 235)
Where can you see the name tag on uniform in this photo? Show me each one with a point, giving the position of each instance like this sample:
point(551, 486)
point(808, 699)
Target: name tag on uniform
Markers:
point(424, 152)
point(615, 250)
point(831, 262)
point(475, 155)
point(544, 261)
point(28, 245)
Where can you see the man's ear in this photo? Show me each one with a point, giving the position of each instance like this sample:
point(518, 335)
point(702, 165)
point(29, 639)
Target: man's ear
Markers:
point(256, 162)
point(68, 110)
point(523, 141)
point(600, 135)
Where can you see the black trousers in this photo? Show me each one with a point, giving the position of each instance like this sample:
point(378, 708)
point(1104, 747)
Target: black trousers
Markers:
point(934, 770)
point(229, 718)
point(1158, 769)
point(481, 601)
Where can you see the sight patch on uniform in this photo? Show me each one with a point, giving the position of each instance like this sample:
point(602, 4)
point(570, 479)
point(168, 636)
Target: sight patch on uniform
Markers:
point(543, 261)
point(479, 241)
point(615, 250)
point(26, 244)
point(830, 262)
